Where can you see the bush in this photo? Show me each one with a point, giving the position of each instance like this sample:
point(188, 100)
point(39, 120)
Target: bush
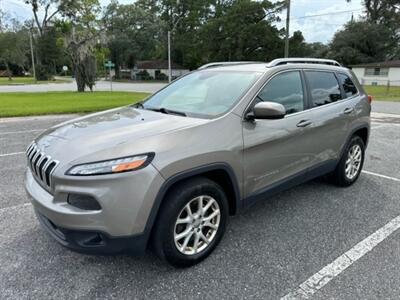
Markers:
point(162, 76)
point(143, 75)
point(42, 73)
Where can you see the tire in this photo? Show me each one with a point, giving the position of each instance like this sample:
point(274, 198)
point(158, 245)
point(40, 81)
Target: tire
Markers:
point(343, 177)
point(183, 199)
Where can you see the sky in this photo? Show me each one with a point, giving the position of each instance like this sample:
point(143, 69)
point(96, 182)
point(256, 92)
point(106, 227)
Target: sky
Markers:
point(334, 13)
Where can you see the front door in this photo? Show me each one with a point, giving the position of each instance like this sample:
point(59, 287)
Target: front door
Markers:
point(278, 149)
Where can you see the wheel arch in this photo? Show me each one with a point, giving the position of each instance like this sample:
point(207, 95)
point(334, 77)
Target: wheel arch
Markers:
point(221, 173)
point(362, 131)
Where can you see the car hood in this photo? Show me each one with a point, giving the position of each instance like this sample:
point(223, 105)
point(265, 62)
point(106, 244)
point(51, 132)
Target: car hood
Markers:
point(103, 133)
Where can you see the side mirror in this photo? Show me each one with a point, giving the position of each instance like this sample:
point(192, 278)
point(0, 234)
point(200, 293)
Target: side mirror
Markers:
point(267, 110)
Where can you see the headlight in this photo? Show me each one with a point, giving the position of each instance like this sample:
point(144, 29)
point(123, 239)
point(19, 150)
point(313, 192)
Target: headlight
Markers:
point(119, 165)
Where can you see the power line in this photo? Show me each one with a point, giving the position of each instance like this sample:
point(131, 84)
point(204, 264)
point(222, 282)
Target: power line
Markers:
point(325, 14)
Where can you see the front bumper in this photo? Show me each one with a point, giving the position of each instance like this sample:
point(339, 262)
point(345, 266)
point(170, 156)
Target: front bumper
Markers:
point(93, 242)
point(126, 202)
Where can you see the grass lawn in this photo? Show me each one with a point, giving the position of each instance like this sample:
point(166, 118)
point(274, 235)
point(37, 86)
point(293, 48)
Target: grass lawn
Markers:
point(28, 104)
point(380, 92)
point(27, 80)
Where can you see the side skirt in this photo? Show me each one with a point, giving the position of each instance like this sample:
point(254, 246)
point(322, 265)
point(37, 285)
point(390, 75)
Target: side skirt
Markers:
point(287, 183)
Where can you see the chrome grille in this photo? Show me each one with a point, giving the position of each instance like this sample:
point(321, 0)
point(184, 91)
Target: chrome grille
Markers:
point(41, 165)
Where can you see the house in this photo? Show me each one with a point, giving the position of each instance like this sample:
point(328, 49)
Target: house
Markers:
point(156, 69)
point(381, 73)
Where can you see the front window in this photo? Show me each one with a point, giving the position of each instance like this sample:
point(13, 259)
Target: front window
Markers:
point(204, 93)
point(286, 89)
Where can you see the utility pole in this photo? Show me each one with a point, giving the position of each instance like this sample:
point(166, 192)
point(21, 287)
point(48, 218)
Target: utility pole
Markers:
point(174, 23)
point(169, 57)
point(287, 28)
point(33, 57)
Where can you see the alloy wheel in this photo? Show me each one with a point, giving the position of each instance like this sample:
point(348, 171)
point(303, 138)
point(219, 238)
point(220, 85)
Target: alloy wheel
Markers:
point(353, 162)
point(197, 225)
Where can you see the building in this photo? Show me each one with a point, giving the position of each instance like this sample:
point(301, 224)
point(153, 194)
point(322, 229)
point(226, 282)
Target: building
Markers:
point(156, 69)
point(382, 73)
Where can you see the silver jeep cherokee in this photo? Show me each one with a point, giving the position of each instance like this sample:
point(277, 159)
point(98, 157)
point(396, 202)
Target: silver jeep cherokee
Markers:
point(168, 171)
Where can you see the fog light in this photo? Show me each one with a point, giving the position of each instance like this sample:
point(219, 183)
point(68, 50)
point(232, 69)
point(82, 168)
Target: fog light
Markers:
point(84, 202)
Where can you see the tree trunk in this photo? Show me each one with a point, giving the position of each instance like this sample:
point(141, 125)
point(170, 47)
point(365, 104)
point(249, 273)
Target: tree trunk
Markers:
point(9, 74)
point(80, 78)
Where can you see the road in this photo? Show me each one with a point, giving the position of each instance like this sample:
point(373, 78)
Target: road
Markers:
point(267, 252)
point(71, 86)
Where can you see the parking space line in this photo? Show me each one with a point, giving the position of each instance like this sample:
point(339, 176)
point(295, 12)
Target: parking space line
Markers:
point(313, 284)
point(10, 154)
point(4, 209)
point(22, 131)
point(382, 176)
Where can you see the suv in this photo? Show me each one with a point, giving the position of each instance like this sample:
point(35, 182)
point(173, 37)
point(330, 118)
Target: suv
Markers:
point(168, 171)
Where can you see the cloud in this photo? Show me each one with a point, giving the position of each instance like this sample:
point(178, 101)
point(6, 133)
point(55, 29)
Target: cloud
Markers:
point(321, 28)
point(16, 9)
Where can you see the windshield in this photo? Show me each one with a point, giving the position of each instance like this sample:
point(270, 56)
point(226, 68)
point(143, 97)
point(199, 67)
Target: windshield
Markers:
point(203, 93)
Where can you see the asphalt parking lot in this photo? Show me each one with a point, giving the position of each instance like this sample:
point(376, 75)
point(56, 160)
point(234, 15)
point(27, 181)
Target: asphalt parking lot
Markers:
point(267, 252)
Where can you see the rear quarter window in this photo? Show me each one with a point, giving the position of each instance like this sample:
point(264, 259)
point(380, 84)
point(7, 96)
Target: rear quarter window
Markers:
point(348, 85)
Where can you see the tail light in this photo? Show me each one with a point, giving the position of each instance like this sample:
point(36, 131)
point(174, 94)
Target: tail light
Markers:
point(369, 99)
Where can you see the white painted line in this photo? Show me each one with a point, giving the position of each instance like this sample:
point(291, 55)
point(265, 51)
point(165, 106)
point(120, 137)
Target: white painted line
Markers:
point(384, 115)
point(329, 272)
point(22, 131)
point(15, 207)
point(10, 154)
point(382, 176)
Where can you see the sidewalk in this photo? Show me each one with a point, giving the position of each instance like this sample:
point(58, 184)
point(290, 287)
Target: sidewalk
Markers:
point(386, 107)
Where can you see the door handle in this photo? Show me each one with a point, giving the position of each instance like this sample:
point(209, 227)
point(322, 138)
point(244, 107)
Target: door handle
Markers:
point(348, 110)
point(304, 123)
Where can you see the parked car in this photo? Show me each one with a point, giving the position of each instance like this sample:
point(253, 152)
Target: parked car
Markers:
point(168, 172)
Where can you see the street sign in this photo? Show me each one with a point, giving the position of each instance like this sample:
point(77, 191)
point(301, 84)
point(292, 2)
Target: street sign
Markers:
point(109, 64)
point(65, 68)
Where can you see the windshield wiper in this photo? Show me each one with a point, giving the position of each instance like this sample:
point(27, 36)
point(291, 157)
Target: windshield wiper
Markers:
point(167, 111)
point(138, 105)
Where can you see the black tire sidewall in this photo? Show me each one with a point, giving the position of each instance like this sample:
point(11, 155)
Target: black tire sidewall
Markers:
point(173, 204)
point(340, 175)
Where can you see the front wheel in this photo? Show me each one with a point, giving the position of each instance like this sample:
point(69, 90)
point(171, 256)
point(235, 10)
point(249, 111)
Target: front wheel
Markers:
point(191, 223)
point(350, 165)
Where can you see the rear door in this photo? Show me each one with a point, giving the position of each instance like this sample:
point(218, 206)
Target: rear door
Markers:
point(274, 150)
point(332, 110)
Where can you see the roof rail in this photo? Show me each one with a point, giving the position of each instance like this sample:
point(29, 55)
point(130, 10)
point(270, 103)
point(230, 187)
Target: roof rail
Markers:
point(226, 63)
point(284, 61)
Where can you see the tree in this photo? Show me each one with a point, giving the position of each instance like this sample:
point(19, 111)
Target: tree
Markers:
point(298, 46)
point(385, 13)
point(13, 50)
point(361, 42)
point(133, 33)
point(45, 13)
point(81, 34)
point(318, 50)
point(243, 30)
point(50, 9)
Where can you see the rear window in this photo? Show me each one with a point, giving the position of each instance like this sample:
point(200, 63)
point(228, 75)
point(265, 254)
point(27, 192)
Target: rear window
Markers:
point(348, 85)
point(324, 87)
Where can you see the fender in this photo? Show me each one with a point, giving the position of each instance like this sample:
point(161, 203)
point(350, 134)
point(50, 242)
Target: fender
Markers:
point(362, 126)
point(187, 174)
